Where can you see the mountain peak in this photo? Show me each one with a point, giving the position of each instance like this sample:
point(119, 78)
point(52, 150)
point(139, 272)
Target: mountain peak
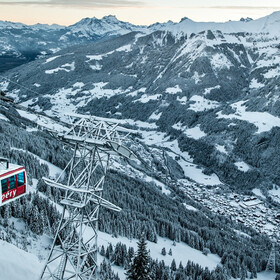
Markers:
point(247, 19)
point(185, 19)
point(111, 19)
point(87, 21)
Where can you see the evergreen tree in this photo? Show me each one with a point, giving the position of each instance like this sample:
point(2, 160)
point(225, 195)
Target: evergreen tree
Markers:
point(173, 265)
point(139, 269)
point(163, 251)
point(102, 251)
point(130, 254)
point(7, 214)
point(106, 272)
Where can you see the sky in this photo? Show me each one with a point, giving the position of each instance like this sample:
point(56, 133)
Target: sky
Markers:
point(141, 12)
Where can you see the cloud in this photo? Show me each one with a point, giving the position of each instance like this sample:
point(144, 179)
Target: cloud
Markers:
point(242, 7)
point(80, 3)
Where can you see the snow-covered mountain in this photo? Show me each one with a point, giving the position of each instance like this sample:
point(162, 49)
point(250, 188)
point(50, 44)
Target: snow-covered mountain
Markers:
point(210, 88)
point(268, 24)
point(107, 26)
point(22, 43)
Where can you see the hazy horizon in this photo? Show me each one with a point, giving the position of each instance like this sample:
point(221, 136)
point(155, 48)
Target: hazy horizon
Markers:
point(176, 21)
point(134, 11)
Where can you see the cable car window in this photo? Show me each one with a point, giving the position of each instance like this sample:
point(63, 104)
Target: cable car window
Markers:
point(20, 179)
point(4, 185)
point(12, 182)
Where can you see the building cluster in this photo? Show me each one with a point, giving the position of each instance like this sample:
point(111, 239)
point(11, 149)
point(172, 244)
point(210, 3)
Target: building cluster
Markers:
point(249, 210)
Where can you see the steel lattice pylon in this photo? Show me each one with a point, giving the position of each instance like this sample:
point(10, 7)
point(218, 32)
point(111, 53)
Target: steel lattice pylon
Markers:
point(73, 254)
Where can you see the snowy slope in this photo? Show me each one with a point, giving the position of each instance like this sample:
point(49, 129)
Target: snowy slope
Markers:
point(157, 141)
point(16, 264)
point(181, 252)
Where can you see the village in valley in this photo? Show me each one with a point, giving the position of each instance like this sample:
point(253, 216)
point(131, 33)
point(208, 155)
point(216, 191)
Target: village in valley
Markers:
point(252, 211)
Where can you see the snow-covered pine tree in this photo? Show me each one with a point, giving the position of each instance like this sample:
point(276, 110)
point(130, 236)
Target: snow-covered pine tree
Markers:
point(102, 251)
point(130, 254)
point(139, 269)
point(173, 265)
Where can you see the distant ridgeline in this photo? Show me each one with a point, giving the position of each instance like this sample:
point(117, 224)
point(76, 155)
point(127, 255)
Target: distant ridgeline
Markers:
point(23, 43)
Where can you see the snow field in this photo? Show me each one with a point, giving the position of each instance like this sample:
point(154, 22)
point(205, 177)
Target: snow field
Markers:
point(242, 166)
point(134, 93)
point(41, 120)
point(51, 59)
point(197, 78)
point(16, 264)
point(95, 57)
point(272, 73)
point(2, 117)
point(145, 98)
point(126, 48)
point(183, 100)
point(66, 67)
point(96, 67)
point(173, 90)
point(155, 116)
point(221, 149)
point(195, 132)
point(208, 90)
point(196, 174)
point(189, 207)
point(262, 120)
point(258, 192)
point(255, 84)
point(220, 61)
point(181, 252)
point(4, 85)
point(202, 104)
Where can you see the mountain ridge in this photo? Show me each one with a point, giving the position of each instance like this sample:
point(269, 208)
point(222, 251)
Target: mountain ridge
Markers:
point(201, 89)
point(113, 19)
point(24, 43)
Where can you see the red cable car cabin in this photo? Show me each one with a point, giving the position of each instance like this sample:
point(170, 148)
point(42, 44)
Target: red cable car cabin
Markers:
point(13, 182)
